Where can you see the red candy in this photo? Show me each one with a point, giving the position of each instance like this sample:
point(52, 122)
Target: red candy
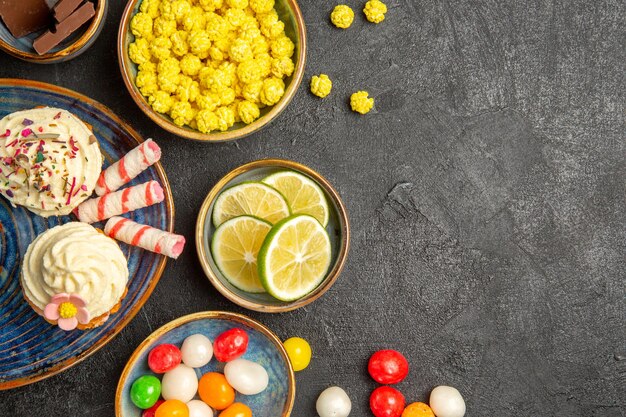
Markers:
point(387, 402)
point(388, 367)
point(230, 345)
point(151, 412)
point(164, 358)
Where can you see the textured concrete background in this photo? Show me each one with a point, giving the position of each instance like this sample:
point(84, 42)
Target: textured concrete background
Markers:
point(486, 193)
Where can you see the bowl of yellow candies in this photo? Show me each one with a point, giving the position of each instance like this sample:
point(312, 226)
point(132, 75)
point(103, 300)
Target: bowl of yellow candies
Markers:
point(212, 70)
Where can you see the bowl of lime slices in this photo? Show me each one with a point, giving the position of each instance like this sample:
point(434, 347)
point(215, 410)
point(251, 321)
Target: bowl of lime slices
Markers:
point(272, 235)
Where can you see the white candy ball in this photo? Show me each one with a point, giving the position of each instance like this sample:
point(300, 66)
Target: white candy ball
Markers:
point(181, 383)
point(333, 402)
point(198, 408)
point(246, 377)
point(197, 350)
point(447, 402)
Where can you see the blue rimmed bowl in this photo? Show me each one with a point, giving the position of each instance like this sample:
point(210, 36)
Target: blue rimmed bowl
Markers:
point(264, 348)
point(30, 348)
point(77, 43)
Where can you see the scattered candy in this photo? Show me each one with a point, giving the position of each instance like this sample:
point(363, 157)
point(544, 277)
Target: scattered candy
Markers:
point(418, 410)
point(237, 410)
point(321, 85)
point(388, 367)
point(145, 391)
point(447, 402)
point(230, 345)
point(198, 408)
point(299, 352)
point(387, 402)
point(151, 412)
point(375, 11)
point(342, 16)
point(246, 377)
point(164, 358)
point(181, 383)
point(361, 103)
point(197, 350)
point(333, 402)
point(172, 408)
point(215, 390)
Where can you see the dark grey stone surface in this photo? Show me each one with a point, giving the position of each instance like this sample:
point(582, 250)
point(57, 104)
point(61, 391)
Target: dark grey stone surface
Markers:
point(486, 194)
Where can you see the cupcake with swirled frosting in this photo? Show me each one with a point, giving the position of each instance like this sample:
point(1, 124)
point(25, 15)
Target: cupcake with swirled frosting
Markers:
point(49, 160)
point(74, 276)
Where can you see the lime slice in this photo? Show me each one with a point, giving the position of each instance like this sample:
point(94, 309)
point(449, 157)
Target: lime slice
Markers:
point(294, 258)
point(253, 198)
point(235, 247)
point(303, 195)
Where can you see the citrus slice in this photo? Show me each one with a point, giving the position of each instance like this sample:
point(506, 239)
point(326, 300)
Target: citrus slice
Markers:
point(235, 247)
point(294, 258)
point(252, 198)
point(303, 195)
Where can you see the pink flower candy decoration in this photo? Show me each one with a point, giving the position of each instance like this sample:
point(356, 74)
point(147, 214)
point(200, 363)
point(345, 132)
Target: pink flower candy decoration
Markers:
point(68, 310)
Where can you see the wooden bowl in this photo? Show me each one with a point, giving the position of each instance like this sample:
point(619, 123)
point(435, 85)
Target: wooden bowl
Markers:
point(338, 229)
point(264, 348)
point(70, 48)
point(288, 11)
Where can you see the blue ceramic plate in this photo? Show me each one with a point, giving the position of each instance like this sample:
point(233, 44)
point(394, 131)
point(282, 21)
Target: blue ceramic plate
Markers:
point(30, 348)
point(264, 348)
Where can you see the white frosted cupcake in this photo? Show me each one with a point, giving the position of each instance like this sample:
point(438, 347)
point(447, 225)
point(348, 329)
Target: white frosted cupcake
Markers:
point(49, 160)
point(74, 276)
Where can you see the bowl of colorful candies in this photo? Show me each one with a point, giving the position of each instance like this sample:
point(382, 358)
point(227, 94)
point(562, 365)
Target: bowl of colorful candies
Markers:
point(272, 235)
point(212, 70)
point(208, 364)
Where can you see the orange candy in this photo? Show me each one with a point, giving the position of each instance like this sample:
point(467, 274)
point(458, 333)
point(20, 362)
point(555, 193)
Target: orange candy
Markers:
point(216, 391)
point(172, 408)
point(237, 410)
point(418, 410)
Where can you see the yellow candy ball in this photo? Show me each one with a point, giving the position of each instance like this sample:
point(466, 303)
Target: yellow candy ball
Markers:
point(321, 85)
point(299, 352)
point(375, 11)
point(361, 103)
point(342, 16)
point(248, 111)
point(141, 25)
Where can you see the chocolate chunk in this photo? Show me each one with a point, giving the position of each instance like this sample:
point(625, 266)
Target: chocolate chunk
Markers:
point(64, 9)
point(50, 39)
point(22, 17)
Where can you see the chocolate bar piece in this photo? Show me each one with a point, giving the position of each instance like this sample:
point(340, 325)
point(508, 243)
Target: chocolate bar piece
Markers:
point(64, 29)
point(22, 17)
point(64, 9)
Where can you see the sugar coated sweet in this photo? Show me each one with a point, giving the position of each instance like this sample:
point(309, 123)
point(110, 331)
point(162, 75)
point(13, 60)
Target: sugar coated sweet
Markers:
point(342, 16)
point(375, 11)
point(321, 85)
point(209, 64)
point(361, 103)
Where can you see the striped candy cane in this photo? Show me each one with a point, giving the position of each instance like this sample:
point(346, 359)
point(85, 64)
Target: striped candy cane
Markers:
point(120, 202)
point(132, 164)
point(146, 237)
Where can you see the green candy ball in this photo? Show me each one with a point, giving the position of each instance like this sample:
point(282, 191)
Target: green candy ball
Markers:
point(145, 391)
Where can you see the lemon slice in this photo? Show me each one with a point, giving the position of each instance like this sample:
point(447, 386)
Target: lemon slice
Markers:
point(235, 247)
point(252, 198)
point(303, 195)
point(294, 258)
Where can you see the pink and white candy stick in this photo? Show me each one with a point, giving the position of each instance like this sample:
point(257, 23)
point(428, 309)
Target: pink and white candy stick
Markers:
point(127, 168)
point(146, 237)
point(120, 202)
